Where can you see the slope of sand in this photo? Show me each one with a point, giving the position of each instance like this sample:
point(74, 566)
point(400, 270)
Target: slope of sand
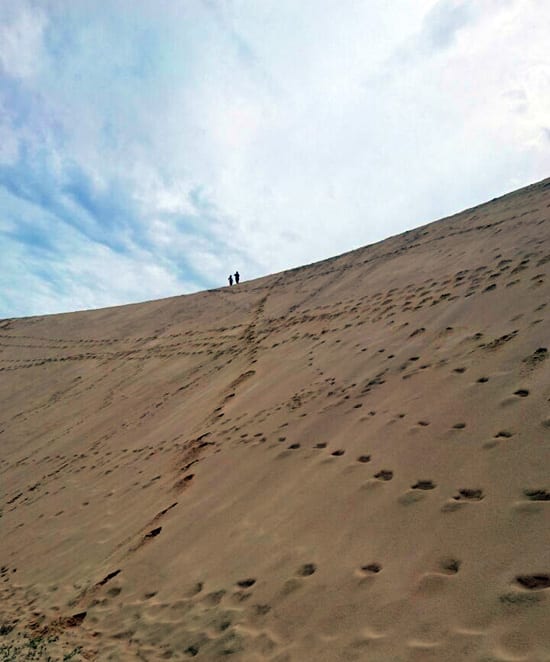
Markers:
point(346, 461)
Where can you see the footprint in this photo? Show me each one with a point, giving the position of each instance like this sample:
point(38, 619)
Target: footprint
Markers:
point(246, 583)
point(294, 446)
point(108, 578)
point(370, 569)
point(469, 494)
point(534, 582)
point(459, 426)
point(192, 651)
point(450, 566)
point(338, 453)
point(384, 474)
point(423, 485)
point(195, 589)
point(321, 444)
point(363, 458)
point(537, 495)
point(307, 570)
point(522, 392)
point(536, 357)
point(223, 625)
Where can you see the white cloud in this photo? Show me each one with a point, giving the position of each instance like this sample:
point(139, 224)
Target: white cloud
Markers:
point(9, 144)
point(87, 275)
point(21, 34)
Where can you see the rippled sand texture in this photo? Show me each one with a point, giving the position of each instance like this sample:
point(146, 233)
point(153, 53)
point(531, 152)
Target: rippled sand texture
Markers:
point(346, 461)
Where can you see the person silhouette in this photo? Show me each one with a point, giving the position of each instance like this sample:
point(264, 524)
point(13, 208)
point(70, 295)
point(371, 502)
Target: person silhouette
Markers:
point(230, 279)
point(237, 277)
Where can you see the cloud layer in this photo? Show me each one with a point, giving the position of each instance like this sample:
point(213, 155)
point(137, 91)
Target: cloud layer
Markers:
point(149, 149)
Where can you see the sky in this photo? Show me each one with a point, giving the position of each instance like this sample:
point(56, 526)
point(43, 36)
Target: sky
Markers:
point(148, 149)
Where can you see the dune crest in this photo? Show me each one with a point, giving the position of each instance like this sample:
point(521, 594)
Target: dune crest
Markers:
point(345, 461)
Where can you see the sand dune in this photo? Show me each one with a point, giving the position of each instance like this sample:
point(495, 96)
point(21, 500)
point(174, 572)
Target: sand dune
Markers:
point(346, 461)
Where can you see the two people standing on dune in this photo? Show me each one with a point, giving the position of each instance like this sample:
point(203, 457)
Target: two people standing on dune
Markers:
point(237, 277)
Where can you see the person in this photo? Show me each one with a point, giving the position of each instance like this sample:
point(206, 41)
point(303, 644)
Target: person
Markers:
point(230, 280)
point(237, 277)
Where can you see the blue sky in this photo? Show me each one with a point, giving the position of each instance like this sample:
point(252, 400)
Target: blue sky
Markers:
point(149, 149)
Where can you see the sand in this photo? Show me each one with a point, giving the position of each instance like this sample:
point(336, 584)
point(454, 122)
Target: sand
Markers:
point(345, 461)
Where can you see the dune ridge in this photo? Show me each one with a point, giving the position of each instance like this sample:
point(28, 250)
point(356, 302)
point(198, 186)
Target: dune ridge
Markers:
point(345, 461)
